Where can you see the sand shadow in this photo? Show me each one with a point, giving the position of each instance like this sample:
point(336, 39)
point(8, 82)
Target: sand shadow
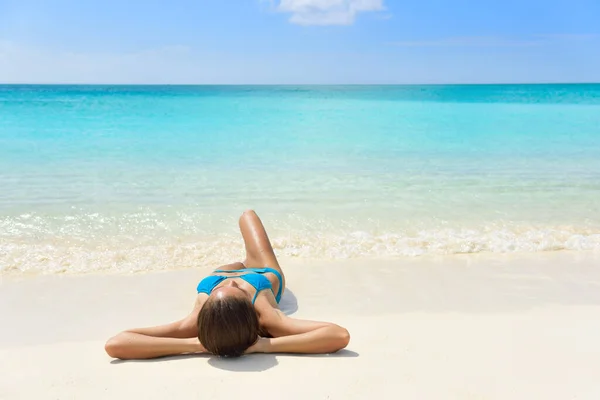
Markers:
point(162, 359)
point(263, 362)
point(248, 363)
point(344, 353)
point(288, 303)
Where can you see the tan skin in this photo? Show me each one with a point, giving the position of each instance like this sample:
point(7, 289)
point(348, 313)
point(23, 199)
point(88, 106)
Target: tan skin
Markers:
point(289, 335)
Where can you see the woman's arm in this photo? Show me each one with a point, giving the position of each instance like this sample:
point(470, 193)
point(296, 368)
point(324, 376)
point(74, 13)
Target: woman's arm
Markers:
point(328, 339)
point(175, 338)
point(185, 328)
point(300, 336)
point(130, 345)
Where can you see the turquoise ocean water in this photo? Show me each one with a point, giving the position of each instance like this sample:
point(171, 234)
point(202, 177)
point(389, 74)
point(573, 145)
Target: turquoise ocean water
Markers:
point(131, 178)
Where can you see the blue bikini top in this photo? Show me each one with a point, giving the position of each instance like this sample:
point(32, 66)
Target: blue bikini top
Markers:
point(254, 276)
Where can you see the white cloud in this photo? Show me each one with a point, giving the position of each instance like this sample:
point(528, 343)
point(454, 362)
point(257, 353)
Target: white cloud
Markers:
point(495, 41)
point(327, 12)
point(570, 36)
point(469, 41)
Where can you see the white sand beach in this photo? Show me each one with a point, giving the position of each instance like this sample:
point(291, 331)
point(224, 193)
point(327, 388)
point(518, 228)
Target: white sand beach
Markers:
point(458, 327)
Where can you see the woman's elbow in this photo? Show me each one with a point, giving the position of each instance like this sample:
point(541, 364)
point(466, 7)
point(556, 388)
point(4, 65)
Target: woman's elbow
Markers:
point(342, 338)
point(116, 347)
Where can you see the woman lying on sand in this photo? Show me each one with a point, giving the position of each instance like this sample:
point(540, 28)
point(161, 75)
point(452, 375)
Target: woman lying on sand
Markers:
point(236, 312)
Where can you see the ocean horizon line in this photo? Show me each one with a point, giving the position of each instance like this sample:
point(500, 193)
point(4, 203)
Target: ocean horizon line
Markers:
point(303, 84)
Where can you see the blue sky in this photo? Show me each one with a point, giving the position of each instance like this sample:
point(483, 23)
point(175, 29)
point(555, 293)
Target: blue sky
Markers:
point(299, 41)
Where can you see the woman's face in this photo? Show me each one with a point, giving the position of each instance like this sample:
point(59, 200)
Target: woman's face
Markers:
point(229, 289)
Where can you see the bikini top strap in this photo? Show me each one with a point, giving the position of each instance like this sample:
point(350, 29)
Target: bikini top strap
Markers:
point(255, 296)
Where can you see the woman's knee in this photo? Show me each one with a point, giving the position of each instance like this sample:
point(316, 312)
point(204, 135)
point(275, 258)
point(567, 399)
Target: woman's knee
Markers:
point(248, 214)
point(115, 347)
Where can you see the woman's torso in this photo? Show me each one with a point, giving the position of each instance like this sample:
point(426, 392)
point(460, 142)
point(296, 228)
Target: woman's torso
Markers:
point(256, 290)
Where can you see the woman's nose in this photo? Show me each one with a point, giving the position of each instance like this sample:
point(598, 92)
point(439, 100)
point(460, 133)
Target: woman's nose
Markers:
point(232, 283)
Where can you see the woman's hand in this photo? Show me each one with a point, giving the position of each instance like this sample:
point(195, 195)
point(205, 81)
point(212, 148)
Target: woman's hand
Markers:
point(196, 346)
point(261, 346)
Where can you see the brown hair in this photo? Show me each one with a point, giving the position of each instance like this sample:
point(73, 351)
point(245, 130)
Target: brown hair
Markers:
point(227, 326)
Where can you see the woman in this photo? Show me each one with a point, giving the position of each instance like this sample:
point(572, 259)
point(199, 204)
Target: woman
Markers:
point(236, 312)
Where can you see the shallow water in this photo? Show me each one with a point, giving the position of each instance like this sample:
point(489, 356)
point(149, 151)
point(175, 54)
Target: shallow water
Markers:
point(130, 178)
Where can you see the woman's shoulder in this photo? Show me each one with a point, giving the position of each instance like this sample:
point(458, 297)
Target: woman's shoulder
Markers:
point(200, 300)
point(266, 307)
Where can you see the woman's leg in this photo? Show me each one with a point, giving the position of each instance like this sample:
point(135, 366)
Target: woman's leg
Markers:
point(259, 252)
point(231, 267)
